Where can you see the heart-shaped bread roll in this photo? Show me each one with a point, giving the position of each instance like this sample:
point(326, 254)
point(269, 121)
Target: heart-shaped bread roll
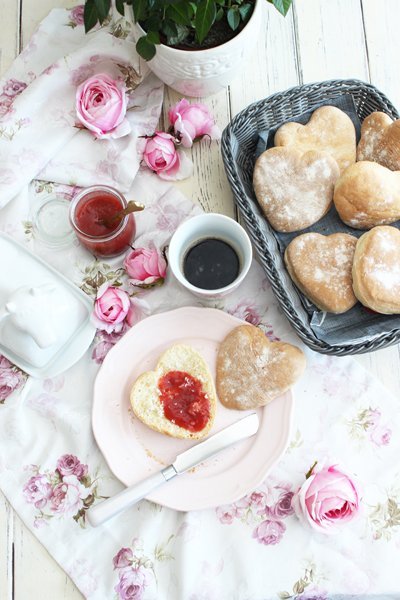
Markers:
point(321, 267)
point(252, 371)
point(367, 195)
point(329, 130)
point(380, 141)
point(376, 270)
point(294, 190)
point(177, 398)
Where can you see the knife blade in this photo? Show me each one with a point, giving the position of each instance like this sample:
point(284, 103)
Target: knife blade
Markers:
point(238, 431)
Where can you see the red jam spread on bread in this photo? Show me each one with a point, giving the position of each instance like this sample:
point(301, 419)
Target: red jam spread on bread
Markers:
point(183, 400)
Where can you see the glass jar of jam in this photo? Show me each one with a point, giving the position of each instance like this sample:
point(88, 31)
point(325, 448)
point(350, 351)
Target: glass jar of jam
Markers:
point(91, 215)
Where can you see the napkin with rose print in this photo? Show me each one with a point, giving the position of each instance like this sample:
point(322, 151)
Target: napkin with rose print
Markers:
point(256, 548)
point(40, 134)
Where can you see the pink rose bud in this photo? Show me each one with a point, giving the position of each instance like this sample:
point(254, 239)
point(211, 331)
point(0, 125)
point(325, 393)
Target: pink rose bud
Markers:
point(112, 306)
point(327, 498)
point(145, 267)
point(160, 154)
point(192, 122)
point(101, 106)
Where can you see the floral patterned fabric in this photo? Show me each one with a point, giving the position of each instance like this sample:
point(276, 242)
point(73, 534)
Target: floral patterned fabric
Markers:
point(254, 549)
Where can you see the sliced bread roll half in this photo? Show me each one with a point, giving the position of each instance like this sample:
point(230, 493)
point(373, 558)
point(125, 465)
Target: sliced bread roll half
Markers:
point(178, 398)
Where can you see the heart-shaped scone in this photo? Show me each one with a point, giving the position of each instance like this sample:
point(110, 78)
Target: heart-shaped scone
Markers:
point(177, 398)
point(294, 190)
point(329, 130)
point(376, 270)
point(380, 141)
point(320, 266)
point(367, 195)
point(252, 371)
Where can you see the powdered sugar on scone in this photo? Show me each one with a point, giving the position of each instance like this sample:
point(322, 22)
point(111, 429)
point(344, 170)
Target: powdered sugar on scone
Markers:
point(321, 268)
point(294, 189)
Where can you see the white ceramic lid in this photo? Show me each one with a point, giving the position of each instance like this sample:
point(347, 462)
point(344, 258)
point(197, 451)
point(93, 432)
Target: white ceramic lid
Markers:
point(45, 322)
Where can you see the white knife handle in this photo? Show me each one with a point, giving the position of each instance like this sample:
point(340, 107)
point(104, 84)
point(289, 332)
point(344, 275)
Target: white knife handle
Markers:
point(100, 513)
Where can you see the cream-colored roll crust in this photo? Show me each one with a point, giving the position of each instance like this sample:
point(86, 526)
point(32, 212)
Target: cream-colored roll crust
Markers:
point(380, 141)
point(368, 194)
point(376, 270)
point(321, 267)
point(294, 189)
point(252, 371)
point(328, 130)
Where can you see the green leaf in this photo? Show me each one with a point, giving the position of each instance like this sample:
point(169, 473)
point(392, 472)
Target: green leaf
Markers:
point(139, 9)
point(245, 11)
point(169, 29)
point(180, 13)
point(119, 5)
point(220, 14)
point(153, 37)
point(154, 23)
point(181, 33)
point(233, 18)
point(145, 48)
point(205, 17)
point(103, 8)
point(281, 5)
point(90, 15)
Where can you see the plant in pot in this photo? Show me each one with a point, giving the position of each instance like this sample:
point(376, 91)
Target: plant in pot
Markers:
point(197, 46)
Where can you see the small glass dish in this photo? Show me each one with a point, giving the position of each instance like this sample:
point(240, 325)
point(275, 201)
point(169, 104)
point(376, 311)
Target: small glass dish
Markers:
point(50, 221)
point(88, 211)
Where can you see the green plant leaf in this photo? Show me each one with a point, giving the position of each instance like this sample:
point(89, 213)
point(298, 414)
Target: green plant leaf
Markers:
point(90, 15)
point(281, 5)
point(180, 13)
point(220, 14)
point(119, 5)
point(145, 48)
point(233, 18)
point(139, 9)
point(153, 37)
point(169, 28)
point(205, 17)
point(103, 8)
point(245, 11)
point(180, 35)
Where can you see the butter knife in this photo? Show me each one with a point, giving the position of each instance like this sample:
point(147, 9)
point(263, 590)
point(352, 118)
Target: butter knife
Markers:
point(240, 430)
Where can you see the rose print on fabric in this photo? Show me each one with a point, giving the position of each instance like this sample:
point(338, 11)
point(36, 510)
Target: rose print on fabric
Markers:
point(11, 378)
point(384, 517)
point(368, 425)
point(76, 16)
point(11, 89)
point(307, 587)
point(135, 570)
point(264, 510)
point(67, 492)
point(96, 274)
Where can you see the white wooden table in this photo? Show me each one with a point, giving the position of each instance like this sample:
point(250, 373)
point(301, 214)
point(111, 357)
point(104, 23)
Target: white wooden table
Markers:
point(318, 40)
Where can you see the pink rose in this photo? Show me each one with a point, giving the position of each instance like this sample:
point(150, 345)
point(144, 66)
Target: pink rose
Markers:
point(101, 106)
point(283, 508)
point(68, 464)
point(160, 154)
point(381, 436)
point(112, 306)
point(13, 87)
point(10, 378)
point(327, 498)
point(226, 513)
point(269, 532)
point(76, 15)
point(37, 491)
point(145, 266)
point(192, 121)
point(132, 583)
point(123, 558)
point(67, 498)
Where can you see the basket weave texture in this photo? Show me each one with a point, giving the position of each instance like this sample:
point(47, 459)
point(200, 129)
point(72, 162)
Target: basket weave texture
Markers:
point(239, 144)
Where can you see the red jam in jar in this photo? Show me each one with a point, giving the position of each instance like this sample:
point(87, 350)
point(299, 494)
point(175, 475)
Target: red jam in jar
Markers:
point(184, 400)
point(90, 210)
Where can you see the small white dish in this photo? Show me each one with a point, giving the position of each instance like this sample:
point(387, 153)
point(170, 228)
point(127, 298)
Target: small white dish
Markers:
point(209, 226)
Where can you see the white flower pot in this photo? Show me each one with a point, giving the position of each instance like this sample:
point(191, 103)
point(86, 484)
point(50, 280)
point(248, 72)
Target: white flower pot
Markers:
point(205, 72)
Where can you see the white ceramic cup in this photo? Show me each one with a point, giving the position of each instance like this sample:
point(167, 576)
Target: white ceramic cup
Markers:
point(209, 225)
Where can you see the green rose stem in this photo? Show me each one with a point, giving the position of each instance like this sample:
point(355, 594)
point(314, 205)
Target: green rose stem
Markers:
point(131, 207)
point(311, 469)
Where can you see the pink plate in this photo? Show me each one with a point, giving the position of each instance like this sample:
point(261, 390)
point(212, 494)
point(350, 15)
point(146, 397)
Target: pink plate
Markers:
point(133, 451)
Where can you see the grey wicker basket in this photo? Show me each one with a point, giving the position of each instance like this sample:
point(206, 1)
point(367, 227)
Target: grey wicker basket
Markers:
point(239, 151)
